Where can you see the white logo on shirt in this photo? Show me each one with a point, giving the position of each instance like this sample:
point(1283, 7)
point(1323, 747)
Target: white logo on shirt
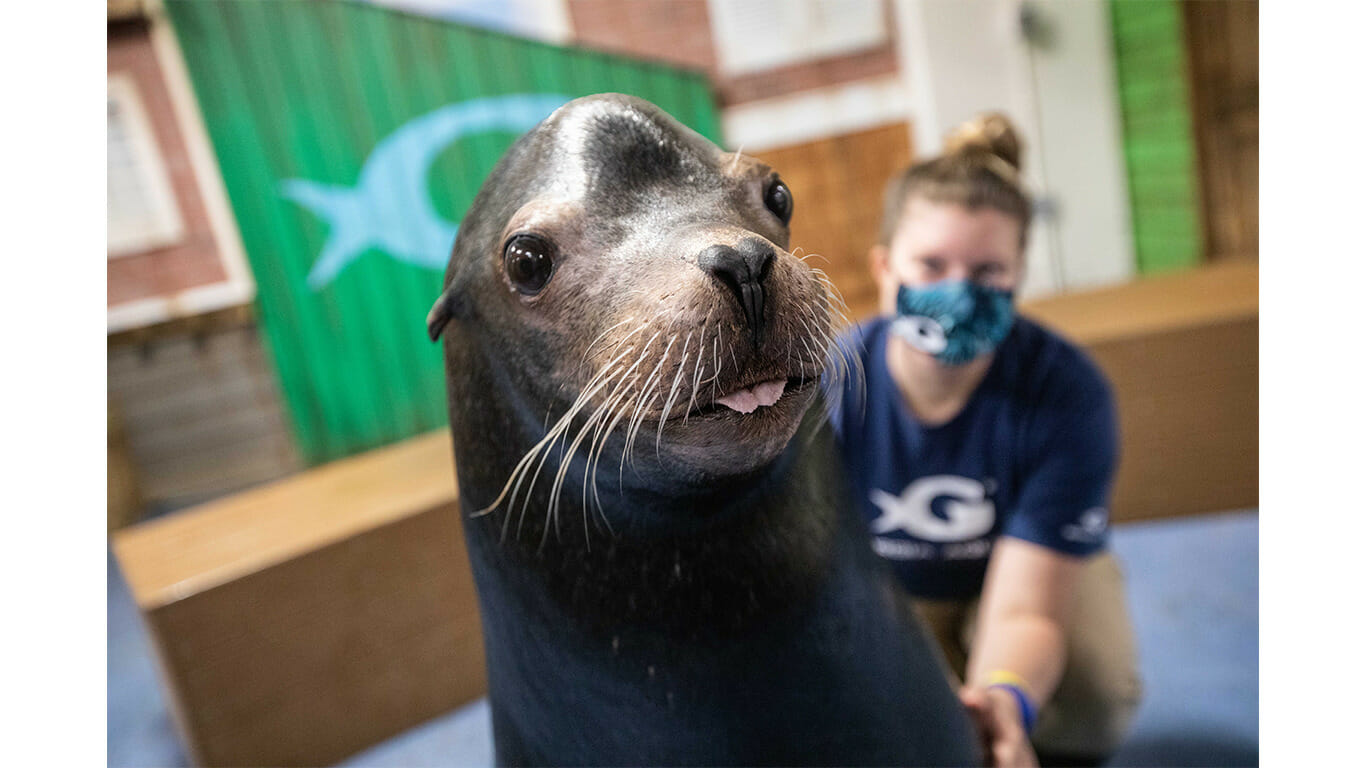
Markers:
point(1088, 527)
point(967, 512)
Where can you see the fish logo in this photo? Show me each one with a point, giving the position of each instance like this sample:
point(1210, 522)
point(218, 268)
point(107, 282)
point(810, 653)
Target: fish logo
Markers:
point(393, 185)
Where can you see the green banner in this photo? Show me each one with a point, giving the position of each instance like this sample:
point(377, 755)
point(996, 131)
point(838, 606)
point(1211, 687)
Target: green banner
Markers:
point(1159, 144)
point(351, 139)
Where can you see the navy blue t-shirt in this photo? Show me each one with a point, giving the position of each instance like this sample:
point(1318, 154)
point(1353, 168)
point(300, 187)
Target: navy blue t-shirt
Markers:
point(1030, 456)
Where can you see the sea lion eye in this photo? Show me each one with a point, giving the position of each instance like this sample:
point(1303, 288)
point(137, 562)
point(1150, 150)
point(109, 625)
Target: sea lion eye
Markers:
point(778, 198)
point(529, 261)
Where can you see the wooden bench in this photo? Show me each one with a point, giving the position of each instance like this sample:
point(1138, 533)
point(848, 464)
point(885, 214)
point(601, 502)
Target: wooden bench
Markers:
point(305, 620)
point(1181, 352)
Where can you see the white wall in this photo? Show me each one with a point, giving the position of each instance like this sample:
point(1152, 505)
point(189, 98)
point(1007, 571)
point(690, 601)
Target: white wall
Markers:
point(961, 57)
point(1080, 139)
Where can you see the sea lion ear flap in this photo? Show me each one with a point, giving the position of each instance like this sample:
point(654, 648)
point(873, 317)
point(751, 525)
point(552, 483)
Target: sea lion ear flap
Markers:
point(441, 314)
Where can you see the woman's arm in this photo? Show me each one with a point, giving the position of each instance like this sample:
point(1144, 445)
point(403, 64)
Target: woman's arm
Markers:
point(1025, 604)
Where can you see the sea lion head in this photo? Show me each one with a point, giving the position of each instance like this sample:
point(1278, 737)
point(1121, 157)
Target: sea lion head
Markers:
point(624, 286)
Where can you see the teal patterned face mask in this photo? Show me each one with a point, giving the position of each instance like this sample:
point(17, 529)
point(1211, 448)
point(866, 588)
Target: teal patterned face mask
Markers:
point(955, 320)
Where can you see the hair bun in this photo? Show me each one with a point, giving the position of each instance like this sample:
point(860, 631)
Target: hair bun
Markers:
point(991, 132)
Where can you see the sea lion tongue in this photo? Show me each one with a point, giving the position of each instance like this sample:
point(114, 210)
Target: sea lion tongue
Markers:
point(747, 400)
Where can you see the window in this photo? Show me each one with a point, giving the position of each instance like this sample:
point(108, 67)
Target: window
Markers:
point(755, 35)
point(142, 209)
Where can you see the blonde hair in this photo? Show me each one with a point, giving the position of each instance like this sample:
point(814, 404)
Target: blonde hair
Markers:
point(980, 168)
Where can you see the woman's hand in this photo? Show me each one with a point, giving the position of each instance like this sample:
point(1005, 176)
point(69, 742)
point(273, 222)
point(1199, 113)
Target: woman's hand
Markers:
point(997, 717)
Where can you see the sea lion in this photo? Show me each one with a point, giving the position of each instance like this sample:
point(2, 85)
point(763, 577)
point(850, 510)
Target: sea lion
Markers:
point(669, 569)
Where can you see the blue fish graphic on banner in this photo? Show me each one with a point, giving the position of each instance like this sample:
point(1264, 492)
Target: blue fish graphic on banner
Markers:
point(393, 185)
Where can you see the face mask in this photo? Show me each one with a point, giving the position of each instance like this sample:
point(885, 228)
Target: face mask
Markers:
point(954, 320)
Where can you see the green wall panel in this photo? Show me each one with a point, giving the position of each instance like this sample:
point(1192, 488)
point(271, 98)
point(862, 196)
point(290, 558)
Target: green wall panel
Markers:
point(352, 139)
point(1150, 64)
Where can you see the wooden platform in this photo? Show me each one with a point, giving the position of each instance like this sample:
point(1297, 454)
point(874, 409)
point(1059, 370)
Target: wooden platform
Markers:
point(1181, 352)
point(303, 621)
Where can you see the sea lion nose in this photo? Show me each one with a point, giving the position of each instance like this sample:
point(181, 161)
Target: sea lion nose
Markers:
point(742, 269)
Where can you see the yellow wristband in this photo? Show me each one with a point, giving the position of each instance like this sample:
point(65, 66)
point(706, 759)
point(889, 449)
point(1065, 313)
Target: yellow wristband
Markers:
point(1005, 676)
point(1017, 687)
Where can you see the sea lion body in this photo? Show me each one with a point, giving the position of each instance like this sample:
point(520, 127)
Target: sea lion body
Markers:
point(669, 567)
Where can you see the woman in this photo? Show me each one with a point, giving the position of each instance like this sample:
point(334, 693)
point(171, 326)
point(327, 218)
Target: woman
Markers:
point(982, 449)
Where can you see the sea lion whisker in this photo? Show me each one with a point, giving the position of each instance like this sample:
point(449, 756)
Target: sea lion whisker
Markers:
point(848, 358)
point(697, 371)
point(844, 364)
point(715, 364)
point(601, 336)
point(627, 338)
point(543, 449)
point(519, 471)
point(789, 350)
point(833, 293)
point(594, 424)
point(697, 376)
point(518, 475)
point(553, 512)
point(599, 441)
point(645, 385)
point(597, 457)
point(639, 417)
point(560, 429)
point(633, 431)
point(832, 367)
point(812, 357)
point(669, 402)
point(816, 329)
point(638, 420)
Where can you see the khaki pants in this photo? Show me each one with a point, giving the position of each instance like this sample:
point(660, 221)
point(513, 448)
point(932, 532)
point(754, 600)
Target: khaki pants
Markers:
point(1090, 712)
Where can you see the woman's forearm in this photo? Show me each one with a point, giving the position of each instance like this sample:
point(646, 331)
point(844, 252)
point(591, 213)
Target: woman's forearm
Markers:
point(1031, 646)
point(1025, 605)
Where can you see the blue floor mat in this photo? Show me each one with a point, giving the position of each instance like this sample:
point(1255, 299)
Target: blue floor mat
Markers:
point(1192, 585)
point(140, 733)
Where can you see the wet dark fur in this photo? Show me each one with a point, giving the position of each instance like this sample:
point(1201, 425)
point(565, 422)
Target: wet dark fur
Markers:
point(704, 615)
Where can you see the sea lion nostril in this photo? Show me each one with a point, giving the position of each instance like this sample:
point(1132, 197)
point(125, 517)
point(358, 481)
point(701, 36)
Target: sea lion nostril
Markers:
point(758, 256)
point(742, 271)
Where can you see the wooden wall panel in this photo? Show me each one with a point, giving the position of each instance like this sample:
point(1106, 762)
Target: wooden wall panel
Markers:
point(125, 498)
point(837, 185)
point(1187, 403)
point(201, 414)
point(1181, 352)
point(1222, 47)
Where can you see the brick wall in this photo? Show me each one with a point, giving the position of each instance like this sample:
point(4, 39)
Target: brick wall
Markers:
point(679, 32)
point(195, 260)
